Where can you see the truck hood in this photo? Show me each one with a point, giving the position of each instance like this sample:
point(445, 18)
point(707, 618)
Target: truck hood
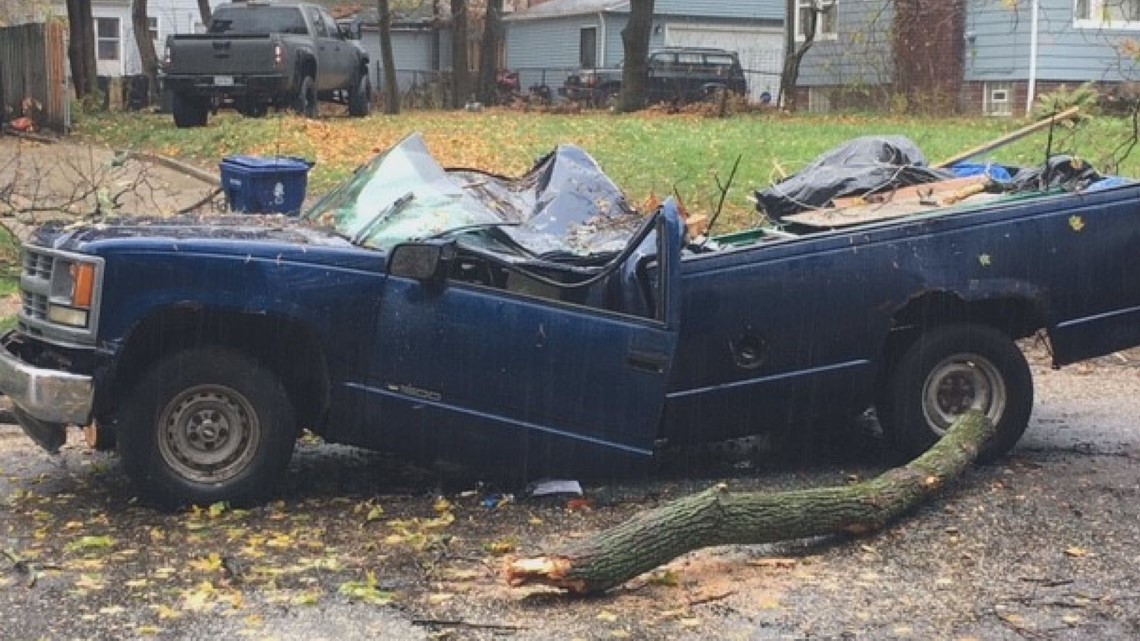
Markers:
point(87, 237)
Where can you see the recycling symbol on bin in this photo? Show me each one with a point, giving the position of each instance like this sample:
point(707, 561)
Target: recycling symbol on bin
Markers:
point(278, 194)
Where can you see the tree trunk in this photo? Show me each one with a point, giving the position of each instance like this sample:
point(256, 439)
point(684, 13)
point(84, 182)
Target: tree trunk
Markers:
point(489, 51)
point(204, 11)
point(81, 47)
point(794, 53)
point(147, 55)
point(460, 74)
point(635, 41)
point(720, 517)
point(391, 88)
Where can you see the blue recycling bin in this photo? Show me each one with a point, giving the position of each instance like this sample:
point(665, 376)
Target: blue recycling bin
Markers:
point(265, 185)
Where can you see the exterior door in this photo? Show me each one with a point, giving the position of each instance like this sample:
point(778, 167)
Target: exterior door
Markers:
point(491, 368)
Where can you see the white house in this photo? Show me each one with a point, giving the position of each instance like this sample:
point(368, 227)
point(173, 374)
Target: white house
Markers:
point(115, 51)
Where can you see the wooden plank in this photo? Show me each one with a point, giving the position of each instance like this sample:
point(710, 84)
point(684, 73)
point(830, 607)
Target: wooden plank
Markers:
point(1010, 137)
point(830, 218)
point(932, 192)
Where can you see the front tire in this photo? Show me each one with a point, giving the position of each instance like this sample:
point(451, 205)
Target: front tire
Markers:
point(360, 98)
point(306, 104)
point(948, 371)
point(252, 108)
point(207, 425)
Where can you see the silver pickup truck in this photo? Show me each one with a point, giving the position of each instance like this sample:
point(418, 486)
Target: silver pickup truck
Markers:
point(258, 55)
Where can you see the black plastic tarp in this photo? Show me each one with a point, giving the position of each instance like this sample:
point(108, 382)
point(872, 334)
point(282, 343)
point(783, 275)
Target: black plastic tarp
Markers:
point(860, 166)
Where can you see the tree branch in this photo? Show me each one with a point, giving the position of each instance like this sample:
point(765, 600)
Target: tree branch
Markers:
point(718, 516)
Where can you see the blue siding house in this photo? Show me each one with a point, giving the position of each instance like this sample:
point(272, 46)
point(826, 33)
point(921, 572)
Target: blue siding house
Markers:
point(547, 42)
point(421, 46)
point(994, 57)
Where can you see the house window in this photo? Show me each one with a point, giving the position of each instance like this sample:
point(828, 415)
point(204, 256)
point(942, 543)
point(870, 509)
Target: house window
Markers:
point(152, 28)
point(825, 24)
point(1107, 13)
point(107, 38)
point(588, 47)
point(998, 99)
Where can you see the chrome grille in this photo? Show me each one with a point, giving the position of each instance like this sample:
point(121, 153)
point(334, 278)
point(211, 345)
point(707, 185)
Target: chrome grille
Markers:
point(35, 284)
point(35, 306)
point(37, 265)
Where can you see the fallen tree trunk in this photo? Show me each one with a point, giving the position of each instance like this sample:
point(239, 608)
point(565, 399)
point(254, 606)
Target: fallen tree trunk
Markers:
point(720, 517)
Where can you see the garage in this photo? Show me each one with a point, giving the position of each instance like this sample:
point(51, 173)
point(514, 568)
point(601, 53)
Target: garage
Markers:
point(761, 50)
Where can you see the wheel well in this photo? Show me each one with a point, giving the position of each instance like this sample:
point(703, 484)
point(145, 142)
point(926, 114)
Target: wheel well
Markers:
point(302, 367)
point(1016, 317)
point(307, 66)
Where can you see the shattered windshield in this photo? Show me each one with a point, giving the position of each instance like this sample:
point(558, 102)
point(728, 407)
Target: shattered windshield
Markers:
point(564, 205)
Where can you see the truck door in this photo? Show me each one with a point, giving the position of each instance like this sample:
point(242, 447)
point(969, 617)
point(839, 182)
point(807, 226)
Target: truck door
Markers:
point(481, 369)
point(329, 72)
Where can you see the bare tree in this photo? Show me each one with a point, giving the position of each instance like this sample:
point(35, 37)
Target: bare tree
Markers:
point(204, 10)
point(391, 89)
point(794, 51)
point(81, 47)
point(489, 51)
point(635, 40)
point(143, 40)
point(460, 74)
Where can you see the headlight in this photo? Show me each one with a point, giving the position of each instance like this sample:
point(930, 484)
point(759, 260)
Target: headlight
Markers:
point(72, 291)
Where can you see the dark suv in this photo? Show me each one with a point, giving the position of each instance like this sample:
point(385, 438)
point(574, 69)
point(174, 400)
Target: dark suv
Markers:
point(681, 74)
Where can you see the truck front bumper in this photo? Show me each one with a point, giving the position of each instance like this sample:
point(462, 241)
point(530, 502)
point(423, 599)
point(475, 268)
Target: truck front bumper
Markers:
point(45, 400)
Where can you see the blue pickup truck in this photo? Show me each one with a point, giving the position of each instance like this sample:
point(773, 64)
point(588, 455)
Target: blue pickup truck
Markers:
point(541, 325)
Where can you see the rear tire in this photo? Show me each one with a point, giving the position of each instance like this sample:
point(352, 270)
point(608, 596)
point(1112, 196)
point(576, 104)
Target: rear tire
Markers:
point(360, 98)
point(952, 369)
point(189, 111)
point(306, 104)
point(207, 425)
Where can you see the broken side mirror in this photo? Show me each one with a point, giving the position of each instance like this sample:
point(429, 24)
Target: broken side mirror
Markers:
point(427, 262)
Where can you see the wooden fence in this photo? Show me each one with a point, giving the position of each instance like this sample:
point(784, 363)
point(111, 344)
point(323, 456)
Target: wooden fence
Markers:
point(33, 74)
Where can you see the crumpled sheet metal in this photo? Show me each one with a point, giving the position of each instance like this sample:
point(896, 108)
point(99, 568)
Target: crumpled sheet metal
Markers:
point(565, 205)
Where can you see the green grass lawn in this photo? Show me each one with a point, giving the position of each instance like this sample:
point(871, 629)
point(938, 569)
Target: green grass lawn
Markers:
point(646, 154)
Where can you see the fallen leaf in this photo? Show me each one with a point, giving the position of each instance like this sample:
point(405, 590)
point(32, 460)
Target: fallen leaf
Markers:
point(1076, 552)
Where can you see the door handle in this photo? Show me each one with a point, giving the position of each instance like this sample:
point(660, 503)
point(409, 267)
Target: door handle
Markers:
point(652, 362)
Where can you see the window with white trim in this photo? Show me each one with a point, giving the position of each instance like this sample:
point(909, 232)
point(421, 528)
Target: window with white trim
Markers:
point(152, 27)
point(825, 24)
point(998, 99)
point(1120, 14)
point(107, 39)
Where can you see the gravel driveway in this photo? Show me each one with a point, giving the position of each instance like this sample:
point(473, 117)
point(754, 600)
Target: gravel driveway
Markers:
point(1045, 545)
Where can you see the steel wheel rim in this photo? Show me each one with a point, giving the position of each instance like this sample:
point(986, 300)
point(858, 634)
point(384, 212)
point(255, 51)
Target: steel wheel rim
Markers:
point(960, 383)
point(209, 434)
